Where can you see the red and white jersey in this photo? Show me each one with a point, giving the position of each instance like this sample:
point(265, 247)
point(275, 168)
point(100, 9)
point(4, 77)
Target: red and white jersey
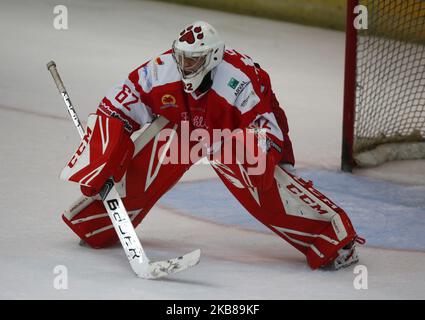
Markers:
point(240, 97)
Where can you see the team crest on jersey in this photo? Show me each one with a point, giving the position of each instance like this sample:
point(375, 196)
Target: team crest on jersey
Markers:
point(190, 34)
point(168, 101)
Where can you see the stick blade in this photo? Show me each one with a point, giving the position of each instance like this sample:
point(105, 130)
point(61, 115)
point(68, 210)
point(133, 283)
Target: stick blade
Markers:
point(164, 268)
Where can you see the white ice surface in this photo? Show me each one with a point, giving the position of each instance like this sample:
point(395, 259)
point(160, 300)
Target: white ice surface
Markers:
point(106, 40)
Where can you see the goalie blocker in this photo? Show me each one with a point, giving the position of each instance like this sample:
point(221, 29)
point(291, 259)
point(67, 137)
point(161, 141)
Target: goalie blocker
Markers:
point(290, 206)
point(105, 151)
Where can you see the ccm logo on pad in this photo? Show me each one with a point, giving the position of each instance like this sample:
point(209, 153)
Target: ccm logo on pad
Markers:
point(80, 149)
point(314, 200)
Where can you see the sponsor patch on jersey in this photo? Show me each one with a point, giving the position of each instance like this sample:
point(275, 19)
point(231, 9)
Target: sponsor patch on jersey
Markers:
point(240, 88)
point(158, 61)
point(248, 98)
point(233, 83)
point(106, 110)
point(168, 101)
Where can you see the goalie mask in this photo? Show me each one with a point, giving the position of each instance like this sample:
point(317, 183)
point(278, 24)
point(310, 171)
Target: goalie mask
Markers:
point(197, 51)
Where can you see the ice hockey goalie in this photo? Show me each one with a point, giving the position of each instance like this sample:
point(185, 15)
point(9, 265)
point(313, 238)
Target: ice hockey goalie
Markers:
point(201, 100)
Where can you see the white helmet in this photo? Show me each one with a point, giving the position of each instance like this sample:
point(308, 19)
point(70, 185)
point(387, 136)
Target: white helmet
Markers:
point(197, 51)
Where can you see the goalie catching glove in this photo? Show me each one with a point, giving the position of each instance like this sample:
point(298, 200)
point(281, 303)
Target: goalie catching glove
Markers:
point(105, 151)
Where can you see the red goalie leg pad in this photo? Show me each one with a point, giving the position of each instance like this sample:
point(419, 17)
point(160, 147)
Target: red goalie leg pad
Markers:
point(93, 225)
point(147, 179)
point(294, 210)
point(322, 250)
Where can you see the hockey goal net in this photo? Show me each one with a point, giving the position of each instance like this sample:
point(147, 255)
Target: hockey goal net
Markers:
point(384, 98)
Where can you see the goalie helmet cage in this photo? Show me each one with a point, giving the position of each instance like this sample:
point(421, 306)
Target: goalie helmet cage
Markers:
point(384, 90)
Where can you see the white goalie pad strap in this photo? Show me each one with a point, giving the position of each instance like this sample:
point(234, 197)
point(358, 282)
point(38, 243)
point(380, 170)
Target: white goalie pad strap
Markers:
point(299, 242)
point(77, 207)
point(338, 227)
point(132, 215)
point(306, 234)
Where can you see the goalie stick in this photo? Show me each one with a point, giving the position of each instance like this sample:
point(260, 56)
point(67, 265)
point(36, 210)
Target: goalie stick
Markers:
point(139, 262)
